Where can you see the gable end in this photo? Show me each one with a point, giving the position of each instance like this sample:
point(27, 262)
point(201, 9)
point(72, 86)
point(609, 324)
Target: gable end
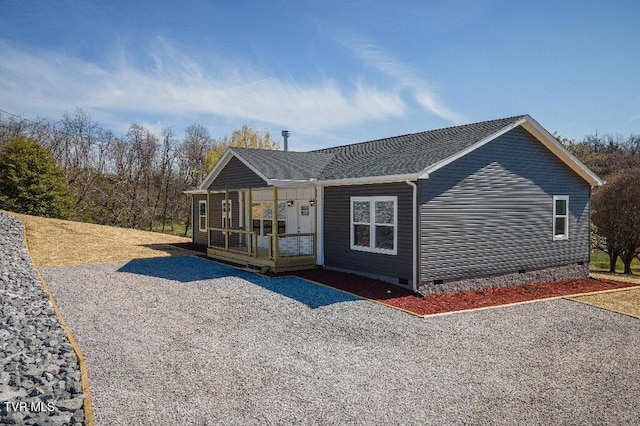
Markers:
point(540, 134)
point(236, 175)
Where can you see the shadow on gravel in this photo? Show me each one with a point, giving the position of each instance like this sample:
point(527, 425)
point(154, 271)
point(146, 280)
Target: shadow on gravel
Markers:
point(188, 269)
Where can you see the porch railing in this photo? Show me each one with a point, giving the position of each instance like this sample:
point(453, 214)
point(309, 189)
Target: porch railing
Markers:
point(292, 245)
point(246, 243)
point(236, 240)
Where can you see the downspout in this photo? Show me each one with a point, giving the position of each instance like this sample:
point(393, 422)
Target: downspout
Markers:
point(415, 235)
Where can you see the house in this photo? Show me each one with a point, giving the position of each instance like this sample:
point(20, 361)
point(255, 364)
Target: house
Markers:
point(488, 204)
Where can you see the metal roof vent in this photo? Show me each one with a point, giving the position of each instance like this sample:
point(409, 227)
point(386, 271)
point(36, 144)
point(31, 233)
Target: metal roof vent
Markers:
point(285, 135)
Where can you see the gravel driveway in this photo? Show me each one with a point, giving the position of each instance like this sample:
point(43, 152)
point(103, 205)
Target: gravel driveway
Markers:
point(187, 341)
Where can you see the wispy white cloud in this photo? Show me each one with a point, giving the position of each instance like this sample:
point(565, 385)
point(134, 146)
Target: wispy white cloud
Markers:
point(176, 84)
point(402, 74)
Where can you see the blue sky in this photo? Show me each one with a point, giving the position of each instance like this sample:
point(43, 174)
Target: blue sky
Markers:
point(332, 72)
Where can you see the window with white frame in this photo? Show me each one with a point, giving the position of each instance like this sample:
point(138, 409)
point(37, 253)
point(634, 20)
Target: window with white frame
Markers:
point(560, 217)
point(202, 215)
point(374, 224)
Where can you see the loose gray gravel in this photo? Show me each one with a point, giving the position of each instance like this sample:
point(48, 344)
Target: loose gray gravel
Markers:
point(40, 378)
point(188, 341)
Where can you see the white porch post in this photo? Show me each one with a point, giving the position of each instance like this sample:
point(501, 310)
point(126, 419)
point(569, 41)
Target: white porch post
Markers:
point(208, 210)
point(252, 237)
point(320, 225)
point(226, 219)
point(274, 223)
point(315, 222)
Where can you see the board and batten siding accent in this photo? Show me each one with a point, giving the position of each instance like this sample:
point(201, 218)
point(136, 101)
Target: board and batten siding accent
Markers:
point(337, 245)
point(490, 212)
point(198, 237)
point(235, 175)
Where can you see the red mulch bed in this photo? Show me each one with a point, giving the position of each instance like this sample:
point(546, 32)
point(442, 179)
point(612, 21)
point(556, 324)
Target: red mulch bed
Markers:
point(443, 302)
point(450, 302)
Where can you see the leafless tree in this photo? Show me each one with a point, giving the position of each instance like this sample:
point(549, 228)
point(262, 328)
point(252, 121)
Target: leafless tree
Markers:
point(617, 216)
point(190, 161)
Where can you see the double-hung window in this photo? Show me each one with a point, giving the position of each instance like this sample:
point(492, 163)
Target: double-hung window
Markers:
point(560, 217)
point(374, 224)
point(202, 215)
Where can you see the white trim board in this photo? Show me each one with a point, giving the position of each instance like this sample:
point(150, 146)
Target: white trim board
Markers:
point(527, 123)
point(220, 165)
point(538, 132)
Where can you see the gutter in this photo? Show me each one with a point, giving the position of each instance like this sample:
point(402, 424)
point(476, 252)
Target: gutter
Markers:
point(415, 235)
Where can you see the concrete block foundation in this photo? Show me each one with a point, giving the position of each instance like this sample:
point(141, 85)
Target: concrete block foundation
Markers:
point(556, 273)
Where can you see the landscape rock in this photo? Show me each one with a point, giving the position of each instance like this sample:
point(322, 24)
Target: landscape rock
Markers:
point(37, 361)
point(70, 404)
point(9, 395)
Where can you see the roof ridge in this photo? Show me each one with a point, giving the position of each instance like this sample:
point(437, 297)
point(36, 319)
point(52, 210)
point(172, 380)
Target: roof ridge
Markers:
point(513, 118)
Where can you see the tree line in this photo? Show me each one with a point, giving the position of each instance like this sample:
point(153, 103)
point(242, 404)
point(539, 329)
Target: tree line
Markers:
point(134, 180)
point(138, 179)
point(615, 207)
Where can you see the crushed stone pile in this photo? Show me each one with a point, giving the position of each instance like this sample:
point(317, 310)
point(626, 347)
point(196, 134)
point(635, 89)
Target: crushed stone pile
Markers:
point(40, 380)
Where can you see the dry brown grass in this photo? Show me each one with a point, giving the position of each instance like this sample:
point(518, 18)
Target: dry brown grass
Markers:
point(55, 242)
point(617, 277)
point(623, 301)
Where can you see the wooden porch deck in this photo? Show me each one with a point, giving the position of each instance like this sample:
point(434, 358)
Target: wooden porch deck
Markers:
point(262, 260)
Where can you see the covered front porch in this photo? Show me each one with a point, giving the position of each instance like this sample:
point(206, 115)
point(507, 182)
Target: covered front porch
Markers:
point(273, 228)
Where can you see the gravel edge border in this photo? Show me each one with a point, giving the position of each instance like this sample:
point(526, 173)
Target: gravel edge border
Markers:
point(84, 375)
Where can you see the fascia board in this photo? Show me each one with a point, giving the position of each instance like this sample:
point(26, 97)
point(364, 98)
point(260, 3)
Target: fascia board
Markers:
point(226, 157)
point(217, 168)
point(424, 174)
point(369, 180)
point(540, 133)
point(291, 182)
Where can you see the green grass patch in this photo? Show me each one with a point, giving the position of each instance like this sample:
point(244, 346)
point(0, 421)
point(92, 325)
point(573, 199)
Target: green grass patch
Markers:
point(600, 261)
point(177, 228)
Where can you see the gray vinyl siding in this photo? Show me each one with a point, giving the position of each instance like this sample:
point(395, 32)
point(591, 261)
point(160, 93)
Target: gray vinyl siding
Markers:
point(337, 245)
point(198, 237)
point(215, 217)
point(491, 212)
point(235, 175)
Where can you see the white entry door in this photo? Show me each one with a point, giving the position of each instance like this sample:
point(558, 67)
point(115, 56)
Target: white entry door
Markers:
point(305, 226)
point(305, 217)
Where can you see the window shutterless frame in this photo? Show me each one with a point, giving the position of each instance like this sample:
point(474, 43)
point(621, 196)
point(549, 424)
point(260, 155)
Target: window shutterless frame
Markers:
point(202, 215)
point(560, 224)
point(374, 224)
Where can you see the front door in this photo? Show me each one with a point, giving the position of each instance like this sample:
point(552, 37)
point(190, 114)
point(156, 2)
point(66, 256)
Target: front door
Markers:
point(305, 226)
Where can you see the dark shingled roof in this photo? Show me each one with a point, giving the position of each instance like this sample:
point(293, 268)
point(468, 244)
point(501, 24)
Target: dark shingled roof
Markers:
point(285, 164)
point(396, 155)
point(406, 154)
